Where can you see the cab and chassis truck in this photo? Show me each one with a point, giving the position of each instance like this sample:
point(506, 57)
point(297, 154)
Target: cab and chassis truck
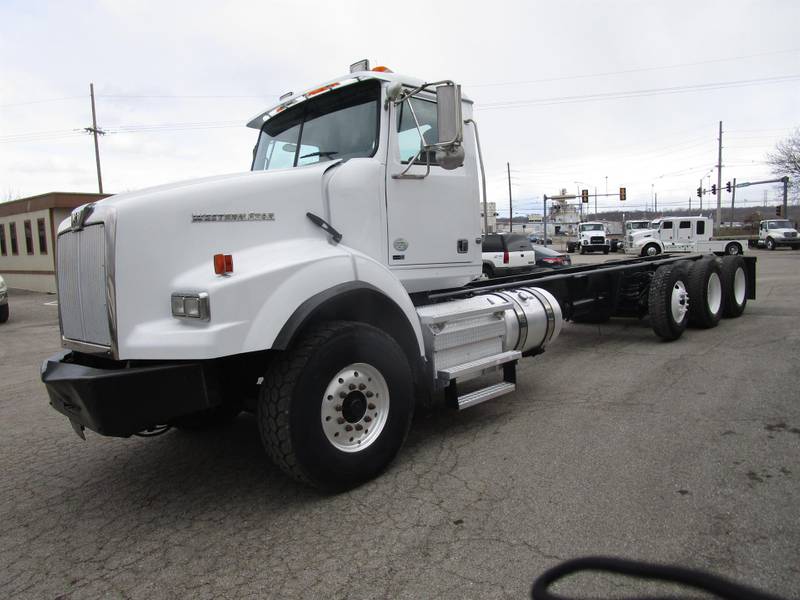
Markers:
point(332, 288)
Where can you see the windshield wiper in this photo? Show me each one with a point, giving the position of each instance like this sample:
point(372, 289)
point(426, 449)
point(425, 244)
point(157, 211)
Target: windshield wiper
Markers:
point(327, 154)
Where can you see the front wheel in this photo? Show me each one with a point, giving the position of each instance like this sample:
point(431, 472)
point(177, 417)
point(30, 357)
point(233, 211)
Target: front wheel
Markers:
point(335, 408)
point(770, 244)
point(733, 249)
point(651, 250)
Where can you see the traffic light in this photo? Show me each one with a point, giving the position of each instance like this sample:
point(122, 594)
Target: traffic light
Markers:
point(728, 187)
point(714, 189)
point(699, 192)
point(622, 193)
point(585, 195)
point(779, 211)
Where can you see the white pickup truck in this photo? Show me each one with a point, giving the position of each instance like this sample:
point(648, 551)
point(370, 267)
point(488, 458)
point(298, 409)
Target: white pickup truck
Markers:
point(680, 234)
point(774, 233)
point(331, 288)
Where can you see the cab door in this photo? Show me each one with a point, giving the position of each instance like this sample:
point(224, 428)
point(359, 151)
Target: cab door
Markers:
point(667, 235)
point(433, 219)
point(685, 238)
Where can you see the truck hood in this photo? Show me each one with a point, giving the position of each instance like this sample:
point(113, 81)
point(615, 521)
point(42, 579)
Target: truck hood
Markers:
point(218, 198)
point(783, 232)
point(644, 233)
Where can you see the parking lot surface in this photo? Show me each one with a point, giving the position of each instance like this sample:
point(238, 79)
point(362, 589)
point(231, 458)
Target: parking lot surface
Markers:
point(615, 443)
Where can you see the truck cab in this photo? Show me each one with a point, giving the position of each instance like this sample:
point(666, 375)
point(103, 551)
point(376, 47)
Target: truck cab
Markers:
point(593, 237)
point(774, 233)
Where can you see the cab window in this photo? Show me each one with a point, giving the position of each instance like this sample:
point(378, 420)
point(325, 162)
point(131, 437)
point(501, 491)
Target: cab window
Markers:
point(408, 137)
point(685, 225)
point(701, 227)
point(666, 225)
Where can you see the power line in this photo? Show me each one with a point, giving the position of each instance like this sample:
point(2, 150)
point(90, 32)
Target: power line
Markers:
point(637, 93)
point(637, 70)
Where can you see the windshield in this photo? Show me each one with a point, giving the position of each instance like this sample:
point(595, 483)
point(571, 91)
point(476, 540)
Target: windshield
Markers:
point(638, 225)
point(592, 227)
point(338, 124)
point(780, 225)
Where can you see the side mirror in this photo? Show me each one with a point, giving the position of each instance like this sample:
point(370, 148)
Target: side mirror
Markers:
point(450, 124)
point(448, 114)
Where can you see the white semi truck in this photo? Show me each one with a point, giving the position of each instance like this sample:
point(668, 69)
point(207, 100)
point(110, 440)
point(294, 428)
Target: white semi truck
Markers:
point(331, 288)
point(774, 233)
point(680, 234)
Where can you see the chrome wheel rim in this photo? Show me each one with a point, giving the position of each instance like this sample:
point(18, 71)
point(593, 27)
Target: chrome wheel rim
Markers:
point(355, 407)
point(714, 293)
point(679, 301)
point(733, 249)
point(652, 251)
point(739, 286)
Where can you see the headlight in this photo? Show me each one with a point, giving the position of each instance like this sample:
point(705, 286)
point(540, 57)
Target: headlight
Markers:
point(191, 306)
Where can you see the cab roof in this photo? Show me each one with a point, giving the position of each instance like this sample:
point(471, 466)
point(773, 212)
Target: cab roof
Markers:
point(257, 121)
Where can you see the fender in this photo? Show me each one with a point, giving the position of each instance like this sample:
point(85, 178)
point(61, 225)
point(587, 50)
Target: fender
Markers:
point(370, 293)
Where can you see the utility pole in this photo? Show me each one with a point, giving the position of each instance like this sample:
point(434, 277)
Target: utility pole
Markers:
point(95, 132)
point(510, 208)
point(595, 202)
point(655, 208)
point(733, 200)
point(701, 194)
point(690, 206)
point(544, 220)
point(719, 179)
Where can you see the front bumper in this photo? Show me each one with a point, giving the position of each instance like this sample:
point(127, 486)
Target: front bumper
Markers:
point(791, 242)
point(595, 247)
point(113, 399)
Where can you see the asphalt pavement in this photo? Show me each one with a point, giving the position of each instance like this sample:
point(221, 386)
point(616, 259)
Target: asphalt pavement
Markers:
point(615, 443)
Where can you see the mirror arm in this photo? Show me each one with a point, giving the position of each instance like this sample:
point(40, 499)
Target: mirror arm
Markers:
point(483, 177)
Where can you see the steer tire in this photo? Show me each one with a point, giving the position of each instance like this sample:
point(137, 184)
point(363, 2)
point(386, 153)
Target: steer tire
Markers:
point(300, 393)
point(488, 271)
point(770, 244)
point(734, 286)
point(705, 293)
point(668, 280)
point(651, 250)
point(4, 313)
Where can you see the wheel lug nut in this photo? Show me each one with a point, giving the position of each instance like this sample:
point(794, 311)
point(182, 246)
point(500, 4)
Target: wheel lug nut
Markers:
point(369, 394)
point(361, 386)
point(352, 386)
point(338, 407)
point(348, 428)
point(342, 395)
point(359, 427)
point(371, 406)
point(340, 420)
point(367, 419)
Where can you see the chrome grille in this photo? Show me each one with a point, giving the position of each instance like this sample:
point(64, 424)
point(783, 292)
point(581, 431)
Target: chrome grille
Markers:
point(597, 239)
point(82, 285)
point(790, 234)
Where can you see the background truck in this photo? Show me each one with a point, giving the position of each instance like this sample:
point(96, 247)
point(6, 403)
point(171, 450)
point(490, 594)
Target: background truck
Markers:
point(680, 234)
point(592, 237)
point(774, 233)
point(330, 289)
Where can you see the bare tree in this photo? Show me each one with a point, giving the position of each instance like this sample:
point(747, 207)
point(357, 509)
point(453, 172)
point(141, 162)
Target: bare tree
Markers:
point(10, 194)
point(785, 160)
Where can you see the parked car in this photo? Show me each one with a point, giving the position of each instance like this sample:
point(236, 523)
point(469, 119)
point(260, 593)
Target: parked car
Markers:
point(507, 254)
point(552, 259)
point(3, 301)
point(539, 239)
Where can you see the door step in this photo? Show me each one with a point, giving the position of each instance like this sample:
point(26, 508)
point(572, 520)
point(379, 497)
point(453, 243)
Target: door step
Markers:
point(487, 393)
point(474, 367)
point(508, 360)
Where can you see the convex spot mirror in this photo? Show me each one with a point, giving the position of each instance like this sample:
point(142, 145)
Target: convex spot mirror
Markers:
point(449, 154)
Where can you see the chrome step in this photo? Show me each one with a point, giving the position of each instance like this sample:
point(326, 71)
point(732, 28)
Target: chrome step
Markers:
point(487, 393)
point(474, 367)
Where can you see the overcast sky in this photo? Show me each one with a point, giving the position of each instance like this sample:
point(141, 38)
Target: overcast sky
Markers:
point(177, 81)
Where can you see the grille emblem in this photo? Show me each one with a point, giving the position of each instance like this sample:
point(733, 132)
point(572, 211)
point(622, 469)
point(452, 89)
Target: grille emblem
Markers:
point(77, 218)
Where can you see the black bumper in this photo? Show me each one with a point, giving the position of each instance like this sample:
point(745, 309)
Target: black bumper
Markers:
point(113, 399)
